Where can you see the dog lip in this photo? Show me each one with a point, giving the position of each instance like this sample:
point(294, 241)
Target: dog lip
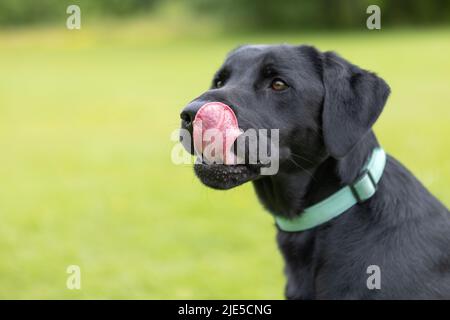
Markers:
point(220, 176)
point(249, 165)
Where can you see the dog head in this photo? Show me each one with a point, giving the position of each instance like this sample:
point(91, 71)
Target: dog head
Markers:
point(319, 104)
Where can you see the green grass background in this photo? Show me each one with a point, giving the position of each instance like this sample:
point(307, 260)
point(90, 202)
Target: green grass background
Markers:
point(85, 170)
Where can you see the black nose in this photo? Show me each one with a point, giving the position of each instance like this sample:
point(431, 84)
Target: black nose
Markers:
point(188, 114)
point(187, 117)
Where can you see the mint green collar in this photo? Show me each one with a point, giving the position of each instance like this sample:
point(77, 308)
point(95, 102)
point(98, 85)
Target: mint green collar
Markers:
point(345, 198)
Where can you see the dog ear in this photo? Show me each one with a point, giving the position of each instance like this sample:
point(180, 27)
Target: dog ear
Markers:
point(354, 98)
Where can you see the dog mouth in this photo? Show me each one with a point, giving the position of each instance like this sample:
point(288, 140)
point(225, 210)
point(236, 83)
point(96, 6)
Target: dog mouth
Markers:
point(226, 156)
point(223, 177)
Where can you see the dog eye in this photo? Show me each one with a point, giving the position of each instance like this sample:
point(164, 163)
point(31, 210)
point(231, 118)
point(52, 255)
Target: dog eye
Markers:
point(218, 83)
point(278, 85)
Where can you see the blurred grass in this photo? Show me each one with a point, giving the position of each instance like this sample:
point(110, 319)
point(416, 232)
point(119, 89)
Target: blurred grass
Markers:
point(86, 176)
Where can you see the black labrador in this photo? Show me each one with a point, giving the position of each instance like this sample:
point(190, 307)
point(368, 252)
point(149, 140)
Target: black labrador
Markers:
point(325, 107)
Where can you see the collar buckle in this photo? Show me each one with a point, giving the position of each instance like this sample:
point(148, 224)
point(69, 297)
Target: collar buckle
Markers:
point(364, 187)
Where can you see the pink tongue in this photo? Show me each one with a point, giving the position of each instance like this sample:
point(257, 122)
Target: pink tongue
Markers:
point(215, 130)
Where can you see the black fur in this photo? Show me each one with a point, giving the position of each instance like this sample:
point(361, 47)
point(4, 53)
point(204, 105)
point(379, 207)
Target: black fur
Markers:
point(325, 119)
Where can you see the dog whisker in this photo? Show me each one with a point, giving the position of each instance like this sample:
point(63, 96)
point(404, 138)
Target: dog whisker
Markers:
point(303, 168)
point(301, 157)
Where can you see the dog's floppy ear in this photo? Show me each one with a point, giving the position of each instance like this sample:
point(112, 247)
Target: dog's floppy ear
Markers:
point(354, 98)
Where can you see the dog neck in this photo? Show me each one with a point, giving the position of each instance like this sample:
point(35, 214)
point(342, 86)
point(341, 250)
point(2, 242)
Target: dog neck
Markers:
point(288, 194)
